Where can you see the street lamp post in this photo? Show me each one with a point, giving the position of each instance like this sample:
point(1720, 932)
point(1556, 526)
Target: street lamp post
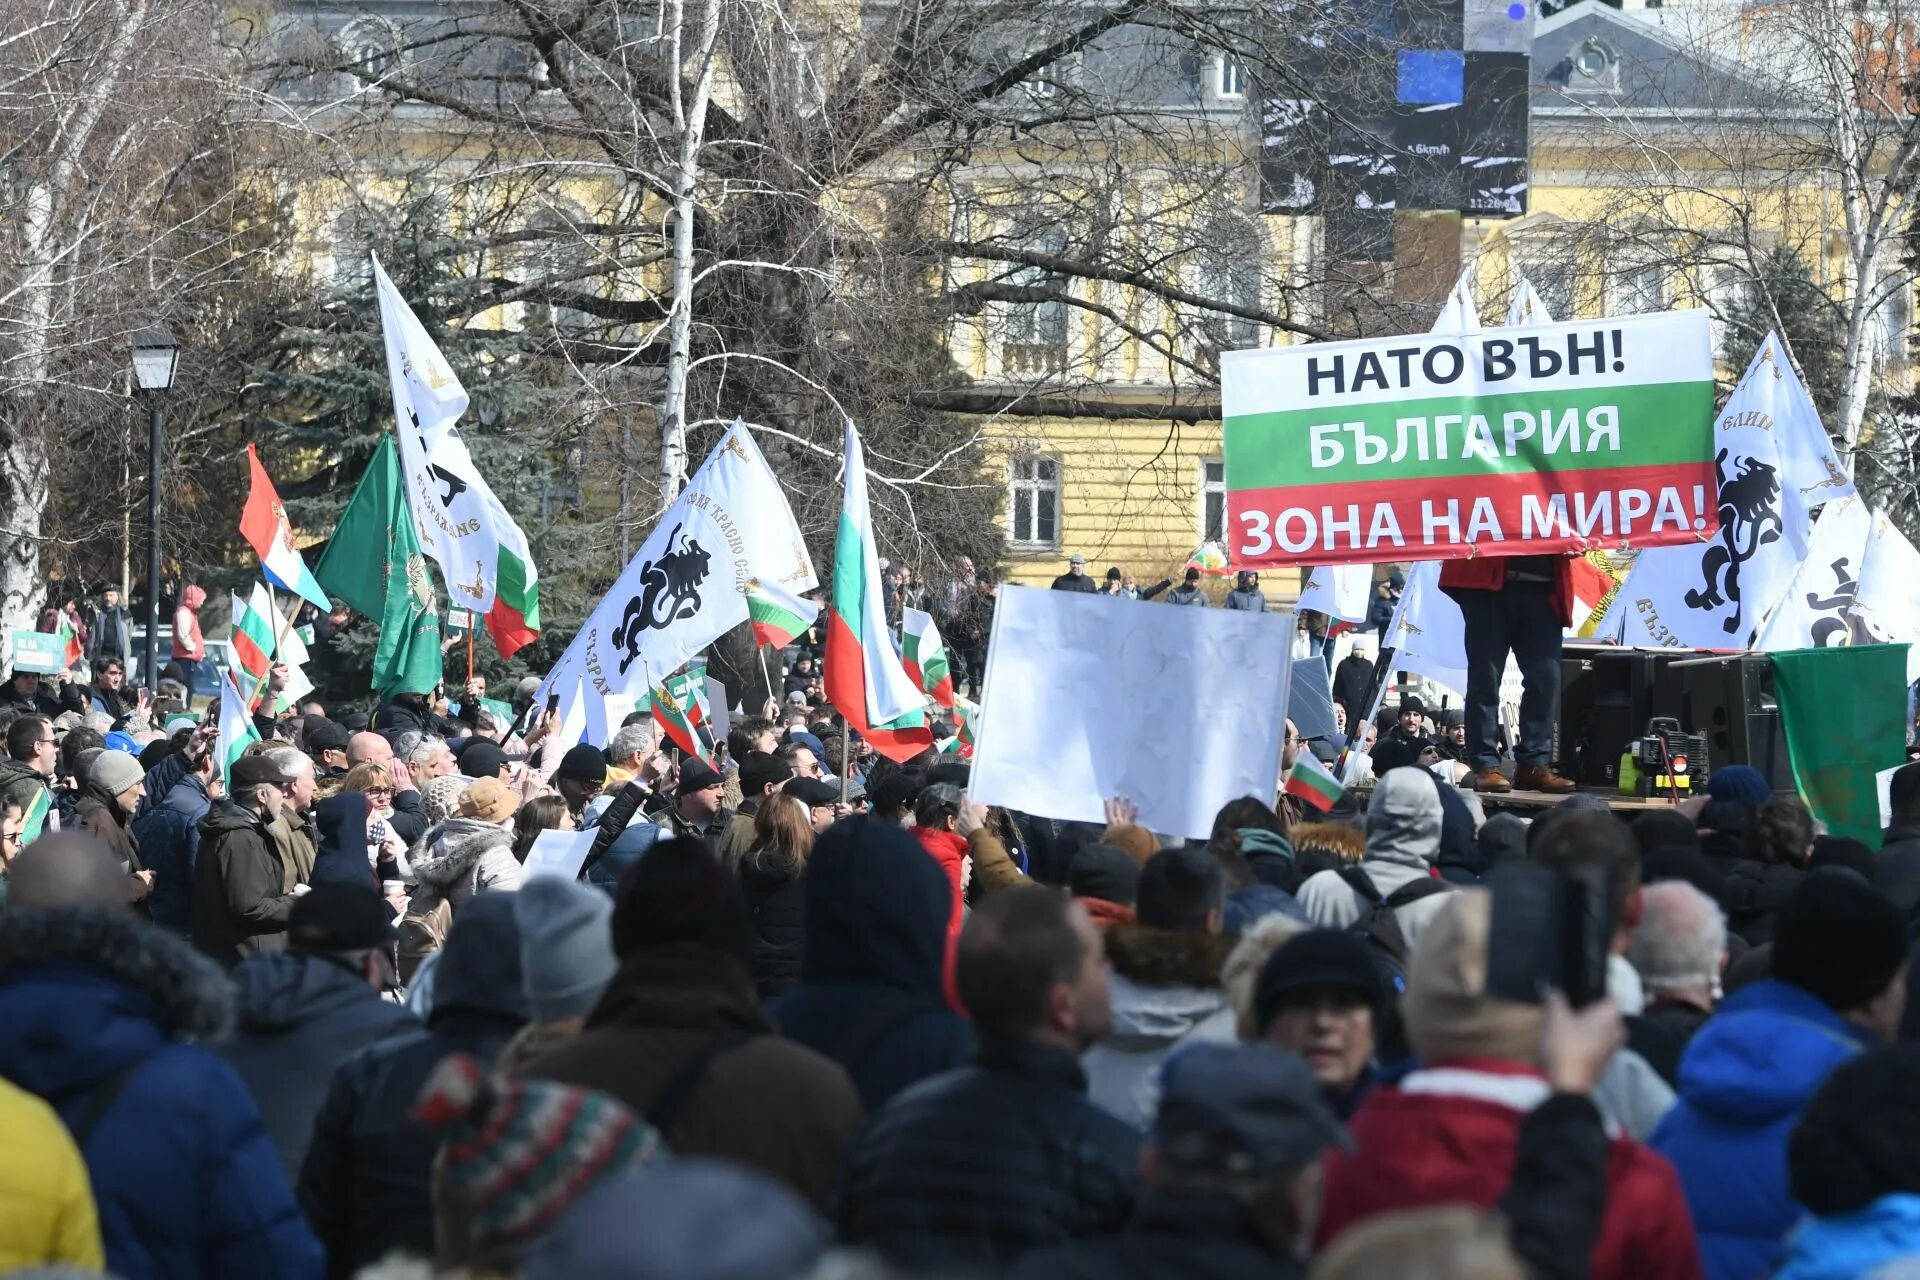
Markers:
point(155, 357)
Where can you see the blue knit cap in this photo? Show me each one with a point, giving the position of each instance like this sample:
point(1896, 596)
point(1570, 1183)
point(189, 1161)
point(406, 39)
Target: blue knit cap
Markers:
point(1740, 783)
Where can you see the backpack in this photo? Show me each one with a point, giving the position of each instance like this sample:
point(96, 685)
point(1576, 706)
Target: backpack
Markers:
point(1379, 927)
point(422, 932)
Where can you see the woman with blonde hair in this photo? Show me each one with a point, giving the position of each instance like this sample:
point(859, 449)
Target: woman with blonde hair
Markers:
point(375, 783)
point(772, 874)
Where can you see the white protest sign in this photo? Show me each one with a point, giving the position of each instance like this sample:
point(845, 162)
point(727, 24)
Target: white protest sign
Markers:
point(559, 853)
point(1883, 783)
point(1179, 710)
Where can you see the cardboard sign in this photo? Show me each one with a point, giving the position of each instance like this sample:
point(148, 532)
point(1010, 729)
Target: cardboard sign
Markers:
point(39, 652)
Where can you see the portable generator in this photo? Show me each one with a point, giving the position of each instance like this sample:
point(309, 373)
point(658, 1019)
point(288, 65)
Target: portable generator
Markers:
point(1669, 760)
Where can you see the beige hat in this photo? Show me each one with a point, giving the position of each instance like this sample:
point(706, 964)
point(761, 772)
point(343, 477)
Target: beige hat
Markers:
point(1446, 1011)
point(489, 800)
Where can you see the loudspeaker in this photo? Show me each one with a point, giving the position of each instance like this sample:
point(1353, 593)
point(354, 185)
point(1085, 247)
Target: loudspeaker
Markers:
point(1606, 699)
point(1730, 700)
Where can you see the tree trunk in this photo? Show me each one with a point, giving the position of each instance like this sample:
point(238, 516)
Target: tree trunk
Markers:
point(692, 122)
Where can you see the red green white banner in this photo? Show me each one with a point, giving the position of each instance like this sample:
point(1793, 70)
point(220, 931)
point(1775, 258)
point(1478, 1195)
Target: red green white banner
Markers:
point(1559, 438)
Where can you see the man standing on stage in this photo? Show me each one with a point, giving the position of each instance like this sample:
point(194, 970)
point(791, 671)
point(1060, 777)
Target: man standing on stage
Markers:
point(1518, 605)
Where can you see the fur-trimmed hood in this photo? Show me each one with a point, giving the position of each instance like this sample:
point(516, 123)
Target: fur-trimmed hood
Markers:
point(1162, 958)
point(450, 850)
point(86, 992)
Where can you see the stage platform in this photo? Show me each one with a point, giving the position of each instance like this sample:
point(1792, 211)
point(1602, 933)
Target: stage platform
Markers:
point(1530, 803)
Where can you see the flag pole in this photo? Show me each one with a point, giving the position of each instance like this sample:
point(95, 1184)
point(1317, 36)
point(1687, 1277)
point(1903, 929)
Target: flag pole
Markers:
point(279, 636)
point(846, 754)
point(469, 646)
point(772, 693)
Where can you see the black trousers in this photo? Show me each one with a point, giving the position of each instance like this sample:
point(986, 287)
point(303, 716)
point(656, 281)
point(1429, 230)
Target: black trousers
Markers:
point(1520, 620)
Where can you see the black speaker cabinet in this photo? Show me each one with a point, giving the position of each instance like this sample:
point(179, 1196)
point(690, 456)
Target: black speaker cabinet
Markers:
point(1730, 700)
point(1606, 699)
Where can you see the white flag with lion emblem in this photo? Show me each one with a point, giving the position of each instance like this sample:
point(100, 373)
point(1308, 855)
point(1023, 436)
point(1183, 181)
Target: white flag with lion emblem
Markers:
point(1776, 465)
point(685, 589)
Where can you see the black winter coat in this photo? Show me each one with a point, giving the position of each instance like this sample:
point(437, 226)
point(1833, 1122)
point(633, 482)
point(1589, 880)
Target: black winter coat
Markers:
point(1075, 582)
point(972, 1169)
point(779, 906)
point(1896, 869)
point(1171, 1238)
point(168, 836)
point(409, 817)
point(240, 903)
point(366, 1184)
point(870, 994)
point(1660, 1035)
point(300, 1017)
point(1350, 682)
point(1755, 892)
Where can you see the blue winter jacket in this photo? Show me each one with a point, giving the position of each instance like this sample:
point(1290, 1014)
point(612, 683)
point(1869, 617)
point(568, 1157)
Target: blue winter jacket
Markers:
point(1850, 1245)
point(169, 838)
point(1744, 1080)
point(96, 1011)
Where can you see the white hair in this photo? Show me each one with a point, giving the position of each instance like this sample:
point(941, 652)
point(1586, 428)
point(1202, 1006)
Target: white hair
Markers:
point(290, 760)
point(632, 738)
point(422, 750)
point(1681, 938)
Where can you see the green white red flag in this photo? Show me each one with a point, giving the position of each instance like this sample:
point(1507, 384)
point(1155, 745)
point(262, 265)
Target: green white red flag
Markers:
point(236, 727)
point(966, 716)
point(865, 681)
point(680, 709)
point(460, 523)
point(253, 633)
point(777, 615)
point(34, 821)
point(1313, 783)
point(70, 637)
point(924, 655)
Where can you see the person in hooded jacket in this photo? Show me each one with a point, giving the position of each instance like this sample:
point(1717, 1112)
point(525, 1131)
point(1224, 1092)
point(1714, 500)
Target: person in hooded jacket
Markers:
point(1246, 596)
point(47, 1216)
point(366, 1182)
point(470, 852)
point(100, 1015)
point(1404, 823)
point(1838, 986)
point(343, 858)
point(1896, 869)
point(1770, 866)
point(1854, 1162)
point(1166, 991)
point(305, 1010)
point(680, 1037)
point(870, 994)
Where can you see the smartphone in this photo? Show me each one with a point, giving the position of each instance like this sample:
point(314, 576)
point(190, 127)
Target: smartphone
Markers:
point(553, 703)
point(1551, 928)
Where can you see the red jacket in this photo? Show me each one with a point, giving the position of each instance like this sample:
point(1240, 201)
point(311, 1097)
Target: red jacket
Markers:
point(949, 850)
point(1448, 1136)
point(1489, 573)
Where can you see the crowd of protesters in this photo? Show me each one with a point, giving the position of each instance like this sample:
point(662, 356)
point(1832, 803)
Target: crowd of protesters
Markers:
point(805, 1011)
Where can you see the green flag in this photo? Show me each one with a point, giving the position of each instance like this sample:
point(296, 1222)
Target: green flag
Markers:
point(373, 563)
point(1843, 710)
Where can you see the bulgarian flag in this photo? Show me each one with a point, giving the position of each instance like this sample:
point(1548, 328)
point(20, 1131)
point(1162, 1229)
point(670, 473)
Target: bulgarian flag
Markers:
point(865, 682)
point(679, 709)
point(34, 821)
point(776, 614)
point(482, 553)
point(253, 633)
point(925, 657)
point(966, 715)
point(236, 727)
point(70, 637)
point(1594, 585)
point(263, 523)
point(1313, 783)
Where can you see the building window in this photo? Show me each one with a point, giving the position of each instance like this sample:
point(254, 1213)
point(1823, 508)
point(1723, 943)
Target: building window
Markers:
point(372, 47)
point(1641, 291)
point(1730, 300)
point(1227, 78)
point(1227, 270)
point(1036, 332)
point(1213, 500)
point(1033, 501)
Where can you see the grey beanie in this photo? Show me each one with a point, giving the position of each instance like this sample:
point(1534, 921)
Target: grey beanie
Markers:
point(115, 772)
point(566, 946)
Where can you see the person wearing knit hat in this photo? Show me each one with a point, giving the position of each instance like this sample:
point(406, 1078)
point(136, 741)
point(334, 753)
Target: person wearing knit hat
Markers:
point(1317, 996)
point(439, 797)
point(1104, 879)
point(115, 782)
point(566, 961)
point(1449, 1131)
point(680, 1037)
point(515, 1154)
point(1838, 986)
point(699, 806)
point(1740, 783)
point(483, 759)
point(581, 775)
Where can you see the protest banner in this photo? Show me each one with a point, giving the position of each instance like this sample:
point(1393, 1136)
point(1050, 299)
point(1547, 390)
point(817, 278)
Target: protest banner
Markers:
point(1149, 717)
point(40, 652)
point(684, 588)
point(1560, 438)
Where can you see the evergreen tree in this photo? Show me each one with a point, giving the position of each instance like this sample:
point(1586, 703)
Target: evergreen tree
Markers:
point(1785, 298)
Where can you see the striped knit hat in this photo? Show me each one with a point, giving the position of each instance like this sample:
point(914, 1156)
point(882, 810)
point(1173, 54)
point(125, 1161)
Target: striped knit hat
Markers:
point(518, 1153)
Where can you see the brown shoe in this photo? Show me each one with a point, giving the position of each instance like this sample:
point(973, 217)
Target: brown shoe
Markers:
point(1491, 781)
point(1538, 777)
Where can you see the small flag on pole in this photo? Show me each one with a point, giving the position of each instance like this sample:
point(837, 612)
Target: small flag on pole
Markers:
point(924, 655)
point(236, 726)
point(252, 638)
point(263, 523)
point(71, 638)
point(1314, 784)
point(677, 710)
point(776, 614)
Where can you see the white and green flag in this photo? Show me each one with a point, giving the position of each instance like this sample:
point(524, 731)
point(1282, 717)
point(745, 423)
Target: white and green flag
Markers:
point(236, 727)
